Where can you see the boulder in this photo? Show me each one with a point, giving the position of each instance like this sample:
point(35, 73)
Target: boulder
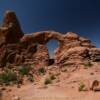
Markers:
point(95, 86)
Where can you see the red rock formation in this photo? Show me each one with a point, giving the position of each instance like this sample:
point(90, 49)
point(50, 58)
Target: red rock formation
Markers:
point(10, 32)
point(16, 48)
point(42, 37)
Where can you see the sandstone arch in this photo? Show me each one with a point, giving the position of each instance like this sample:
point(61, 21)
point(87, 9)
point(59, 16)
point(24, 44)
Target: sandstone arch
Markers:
point(32, 47)
point(43, 37)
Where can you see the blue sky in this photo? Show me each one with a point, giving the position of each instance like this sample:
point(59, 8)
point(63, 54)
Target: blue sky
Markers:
point(81, 16)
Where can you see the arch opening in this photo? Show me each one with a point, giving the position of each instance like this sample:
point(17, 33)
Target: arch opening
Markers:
point(52, 45)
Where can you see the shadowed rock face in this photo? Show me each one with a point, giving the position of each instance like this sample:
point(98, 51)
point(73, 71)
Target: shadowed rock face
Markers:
point(17, 48)
point(11, 18)
point(10, 31)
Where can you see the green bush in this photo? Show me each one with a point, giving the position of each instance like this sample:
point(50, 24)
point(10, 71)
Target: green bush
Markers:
point(24, 69)
point(41, 71)
point(88, 64)
point(52, 77)
point(47, 81)
point(7, 77)
point(81, 87)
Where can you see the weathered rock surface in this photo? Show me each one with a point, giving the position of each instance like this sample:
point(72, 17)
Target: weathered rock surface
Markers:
point(10, 30)
point(95, 54)
point(17, 48)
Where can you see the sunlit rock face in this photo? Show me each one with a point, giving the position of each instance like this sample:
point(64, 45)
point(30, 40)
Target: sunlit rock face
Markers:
point(18, 48)
point(75, 50)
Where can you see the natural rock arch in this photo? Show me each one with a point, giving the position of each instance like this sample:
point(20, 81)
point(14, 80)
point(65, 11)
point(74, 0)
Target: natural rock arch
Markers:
point(31, 48)
point(43, 37)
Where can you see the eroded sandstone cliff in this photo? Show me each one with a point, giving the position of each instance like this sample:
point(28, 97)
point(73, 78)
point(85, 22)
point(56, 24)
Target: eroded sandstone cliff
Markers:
point(17, 48)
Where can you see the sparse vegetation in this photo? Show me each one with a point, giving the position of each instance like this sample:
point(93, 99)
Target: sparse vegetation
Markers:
point(16, 75)
point(88, 64)
point(52, 77)
point(8, 77)
point(82, 86)
point(47, 81)
point(24, 69)
point(30, 78)
point(41, 71)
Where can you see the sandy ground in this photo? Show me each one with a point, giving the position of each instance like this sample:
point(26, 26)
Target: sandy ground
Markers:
point(65, 87)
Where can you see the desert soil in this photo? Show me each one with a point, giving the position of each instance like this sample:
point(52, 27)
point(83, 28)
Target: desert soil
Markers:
point(65, 87)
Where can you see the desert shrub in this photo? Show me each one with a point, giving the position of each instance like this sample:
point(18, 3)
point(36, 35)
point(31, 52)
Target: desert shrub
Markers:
point(8, 65)
point(47, 81)
point(7, 77)
point(52, 77)
point(41, 70)
point(88, 64)
point(24, 69)
point(82, 86)
point(30, 78)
